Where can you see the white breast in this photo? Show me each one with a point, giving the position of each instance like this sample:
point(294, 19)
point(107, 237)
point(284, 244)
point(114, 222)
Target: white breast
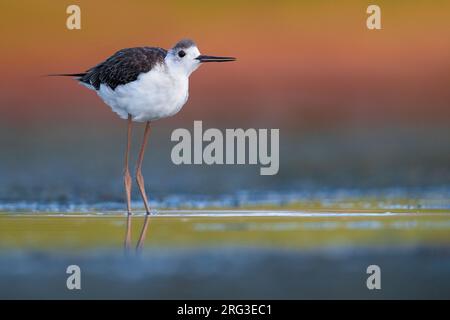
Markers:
point(154, 95)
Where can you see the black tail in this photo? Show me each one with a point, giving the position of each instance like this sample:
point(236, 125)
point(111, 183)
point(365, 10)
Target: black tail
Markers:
point(66, 75)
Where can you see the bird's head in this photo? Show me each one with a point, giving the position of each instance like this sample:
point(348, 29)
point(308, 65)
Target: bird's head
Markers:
point(186, 57)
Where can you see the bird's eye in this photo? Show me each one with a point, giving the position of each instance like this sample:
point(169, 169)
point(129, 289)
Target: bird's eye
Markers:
point(181, 54)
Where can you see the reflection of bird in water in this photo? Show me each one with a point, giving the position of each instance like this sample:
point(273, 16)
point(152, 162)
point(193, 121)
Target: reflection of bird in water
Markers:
point(142, 236)
point(145, 84)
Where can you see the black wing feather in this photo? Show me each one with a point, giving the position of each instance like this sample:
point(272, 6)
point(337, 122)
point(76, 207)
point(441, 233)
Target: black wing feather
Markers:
point(123, 67)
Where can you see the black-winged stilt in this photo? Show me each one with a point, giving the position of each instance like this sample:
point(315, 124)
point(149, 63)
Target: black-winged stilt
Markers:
point(145, 84)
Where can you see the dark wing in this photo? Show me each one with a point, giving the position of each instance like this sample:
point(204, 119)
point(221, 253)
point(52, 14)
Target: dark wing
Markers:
point(123, 67)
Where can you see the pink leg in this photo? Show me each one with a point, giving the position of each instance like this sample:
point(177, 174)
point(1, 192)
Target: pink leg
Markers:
point(127, 183)
point(139, 177)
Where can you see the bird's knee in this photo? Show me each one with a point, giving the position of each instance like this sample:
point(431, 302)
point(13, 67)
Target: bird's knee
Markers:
point(127, 178)
point(139, 178)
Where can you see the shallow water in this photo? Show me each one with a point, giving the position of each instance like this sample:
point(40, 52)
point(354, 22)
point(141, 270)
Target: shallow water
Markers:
point(226, 253)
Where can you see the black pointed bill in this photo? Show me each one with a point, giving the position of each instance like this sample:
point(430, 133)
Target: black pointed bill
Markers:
point(203, 58)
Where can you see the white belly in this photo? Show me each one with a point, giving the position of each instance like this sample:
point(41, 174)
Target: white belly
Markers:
point(154, 95)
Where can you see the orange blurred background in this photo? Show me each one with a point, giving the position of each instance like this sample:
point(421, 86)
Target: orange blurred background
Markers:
point(355, 107)
point(301, 63)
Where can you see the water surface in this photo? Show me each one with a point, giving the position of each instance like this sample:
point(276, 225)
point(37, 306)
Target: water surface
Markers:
point(223, 253)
